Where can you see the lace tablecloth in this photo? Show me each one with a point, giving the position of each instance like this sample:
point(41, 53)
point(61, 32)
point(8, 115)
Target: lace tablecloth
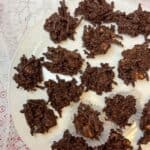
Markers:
point(15, 17)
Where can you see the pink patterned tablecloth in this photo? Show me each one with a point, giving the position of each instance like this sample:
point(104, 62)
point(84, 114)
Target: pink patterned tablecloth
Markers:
point(15, 17)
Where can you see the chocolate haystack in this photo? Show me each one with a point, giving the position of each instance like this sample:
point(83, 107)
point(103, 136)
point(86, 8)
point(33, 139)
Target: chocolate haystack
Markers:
point(94, 11)
point(146, 138)
point(135, 64)
point(98, 79)
point(39, 118)
point(61, 25)
point(62, 93)
point(63, 61)
point(135, 23)
point(29, 73)
point(120, 108)
point(145, 119)
point(87, 122)
point(116, 141)
point(99, 39)
point(145, 124)
point(69, 142)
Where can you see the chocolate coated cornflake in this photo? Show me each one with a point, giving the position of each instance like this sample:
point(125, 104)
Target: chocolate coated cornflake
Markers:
point(94, 11)
point(116, 141)
point(62, 93)
point(29, 73)
point(145, 124)
point(140, 148)
point(98, 79)
point(135, 23)
point(61, 25)
point(63, 61)
point(87, 122)
point(135, 64)
point(69, 142)
point(39, 118)
point(99, 39)
point(120, 108)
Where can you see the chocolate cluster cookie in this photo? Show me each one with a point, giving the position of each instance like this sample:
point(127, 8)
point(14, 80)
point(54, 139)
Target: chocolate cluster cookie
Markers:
point(116, 141)
point(62, 93)
point(29, 73)
point(134, 23)
point(98, 79)
point(87, 122)
point(135, 64)
point(98, 39)
point(145, 124)
point(61, 25)
point(120, 108)
point(63, 61)
point(95, 11)
point(38, 116)
point(69, 142)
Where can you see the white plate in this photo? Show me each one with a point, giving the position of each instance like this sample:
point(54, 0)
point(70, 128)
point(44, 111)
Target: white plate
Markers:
point(35, 42)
